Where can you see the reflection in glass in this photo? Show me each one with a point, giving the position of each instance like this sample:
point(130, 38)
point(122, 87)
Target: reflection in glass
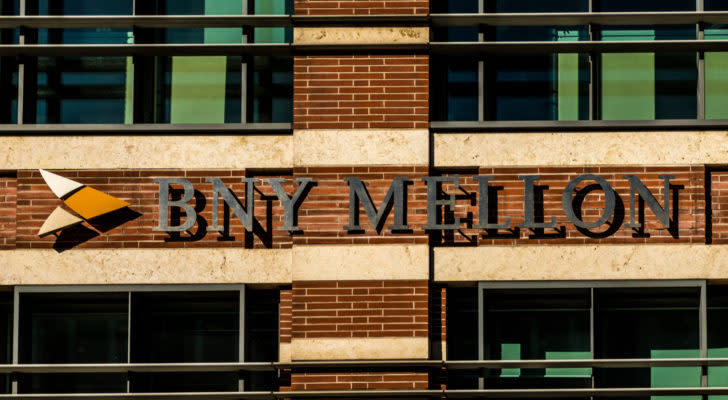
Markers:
point(261, 337)
point(537, 324)
point(185, 327)
point(647, 86)
point(536, 6)
point(648, 323)
point(717, 339)
point(716, 76)
point(6, 338)
point(646, 5)
point(73, 328)
point(75, 90)
point(462, 323)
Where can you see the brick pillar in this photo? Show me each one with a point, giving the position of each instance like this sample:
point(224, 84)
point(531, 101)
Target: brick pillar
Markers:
point(8, 207)
point(362, 295)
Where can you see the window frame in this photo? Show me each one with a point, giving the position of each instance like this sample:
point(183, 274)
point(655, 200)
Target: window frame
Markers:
point(129, 289)
point(592, 285)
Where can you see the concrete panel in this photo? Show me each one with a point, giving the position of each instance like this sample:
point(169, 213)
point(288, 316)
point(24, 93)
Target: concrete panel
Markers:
point(580, 149)
point(359, 348)
point(360, 262)
point(589, 262)
point(252, 151)
point(142, 266)
point(330, 147)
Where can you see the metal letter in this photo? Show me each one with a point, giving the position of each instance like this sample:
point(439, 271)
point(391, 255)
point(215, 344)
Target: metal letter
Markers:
point(483, 206)
point(165, 204)
point(635, 185)
point(290, 205)
point(244, 215)
point(433, 203)
point(528, 204)
point(609, 201)
point(358, 194)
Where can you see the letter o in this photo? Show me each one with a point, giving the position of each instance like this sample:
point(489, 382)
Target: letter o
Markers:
point(609, 205)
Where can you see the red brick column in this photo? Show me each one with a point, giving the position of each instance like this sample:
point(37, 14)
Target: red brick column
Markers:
point(8, 207)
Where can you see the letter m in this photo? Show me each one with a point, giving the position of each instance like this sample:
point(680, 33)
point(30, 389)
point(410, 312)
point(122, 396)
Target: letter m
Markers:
point(395, 198)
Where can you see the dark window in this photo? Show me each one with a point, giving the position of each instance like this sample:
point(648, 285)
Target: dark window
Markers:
point(537, 324)
point(142, 327)
point(646, 5)
point(647, 323)
point(6, 337)
point(73, 328)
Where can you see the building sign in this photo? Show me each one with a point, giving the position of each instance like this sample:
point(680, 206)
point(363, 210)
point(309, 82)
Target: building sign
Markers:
point(396, 201)
point(360, 205)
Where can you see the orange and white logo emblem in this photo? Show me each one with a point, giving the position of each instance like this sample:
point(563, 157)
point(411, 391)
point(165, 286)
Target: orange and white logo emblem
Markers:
point(85, 201)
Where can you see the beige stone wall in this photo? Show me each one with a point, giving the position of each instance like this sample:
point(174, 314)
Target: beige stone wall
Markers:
point(353, 147)
point(144, 266)
point(581, 262)
point(91, 152)
point(581, 148)
point(369, 35)
point(360, 348)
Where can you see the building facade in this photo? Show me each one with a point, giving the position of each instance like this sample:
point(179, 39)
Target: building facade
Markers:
point(411, 199)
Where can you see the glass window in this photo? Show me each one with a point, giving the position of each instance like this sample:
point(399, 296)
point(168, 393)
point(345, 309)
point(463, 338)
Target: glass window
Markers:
point(648, 323)
point(584, 323)
point(716, 5)
point(8, 68)
point(717, 339)
point(209, 89)
point(6, 337)
point(261, 335)
point(541, 325)
point(646, 5)
point(76, 90)
point(536, 6)
point(462, 327)
point(73, 328)
point(185, 327)
point(141, 327)
point(647, 86)
point(716, 75)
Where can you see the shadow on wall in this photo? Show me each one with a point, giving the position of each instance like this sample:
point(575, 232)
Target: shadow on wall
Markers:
point(79, 234)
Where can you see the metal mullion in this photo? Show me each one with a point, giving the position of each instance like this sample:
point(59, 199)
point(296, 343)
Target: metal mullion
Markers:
point(241, 337)
point(592, 327)
point(21, 69)
point(481, 333)
point(16, 337)
point(481, 66)
point(128, 341)
point(244, 69)
point(703, 331)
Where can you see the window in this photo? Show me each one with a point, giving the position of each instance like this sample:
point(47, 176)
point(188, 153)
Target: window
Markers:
point(568, 86)
point(153, 89)
point(586, 320)
point(144, 324)
point(8, 68)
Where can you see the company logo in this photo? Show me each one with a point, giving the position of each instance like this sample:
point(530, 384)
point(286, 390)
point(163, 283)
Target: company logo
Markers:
point(86, 202)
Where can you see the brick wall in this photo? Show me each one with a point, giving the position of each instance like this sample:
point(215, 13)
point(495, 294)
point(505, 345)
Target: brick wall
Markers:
point(348, 7)
point(687, 188)
point(719, 206)
point(325, 212)
point(360, 309)
point(361, 91)
point(8, 195)
point(286, 315)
